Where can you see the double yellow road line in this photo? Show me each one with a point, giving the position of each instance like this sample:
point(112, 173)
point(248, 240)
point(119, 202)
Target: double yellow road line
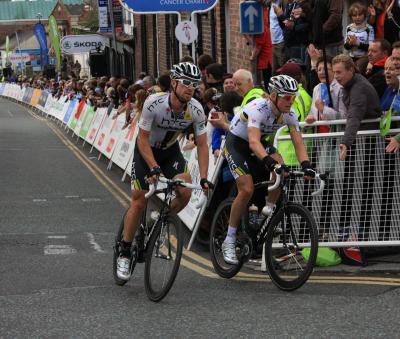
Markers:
point(191, 260)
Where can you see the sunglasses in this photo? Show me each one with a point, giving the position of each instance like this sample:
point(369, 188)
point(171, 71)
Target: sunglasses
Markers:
point(187, 83)
point(287, 97)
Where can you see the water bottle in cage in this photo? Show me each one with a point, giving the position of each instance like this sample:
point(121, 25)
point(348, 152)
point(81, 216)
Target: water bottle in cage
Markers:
point(253, 217)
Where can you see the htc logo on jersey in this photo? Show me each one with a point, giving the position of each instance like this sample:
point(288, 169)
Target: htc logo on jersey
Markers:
point(173, 124)
point(154, 104)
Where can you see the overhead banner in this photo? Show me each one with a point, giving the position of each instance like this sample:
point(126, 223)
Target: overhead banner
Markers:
point(159, 6)
point(55, 40)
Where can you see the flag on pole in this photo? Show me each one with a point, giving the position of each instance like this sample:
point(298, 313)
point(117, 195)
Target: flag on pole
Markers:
point(55, 40)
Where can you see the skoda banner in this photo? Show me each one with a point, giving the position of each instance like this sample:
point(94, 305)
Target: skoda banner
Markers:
point(78, 44)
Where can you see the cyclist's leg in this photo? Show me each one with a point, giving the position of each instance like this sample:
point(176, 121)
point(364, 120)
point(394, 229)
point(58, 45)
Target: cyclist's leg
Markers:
point(238, 157)
point(133, 214)
point(173, 165)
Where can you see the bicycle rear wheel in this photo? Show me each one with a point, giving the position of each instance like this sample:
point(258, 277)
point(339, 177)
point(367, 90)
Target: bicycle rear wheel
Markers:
point(219, 229)
point(288, 233)
point(163, 257)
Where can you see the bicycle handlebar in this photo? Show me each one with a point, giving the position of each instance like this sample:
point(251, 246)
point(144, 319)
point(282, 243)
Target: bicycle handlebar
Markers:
point(320, 177)
point(179, 182)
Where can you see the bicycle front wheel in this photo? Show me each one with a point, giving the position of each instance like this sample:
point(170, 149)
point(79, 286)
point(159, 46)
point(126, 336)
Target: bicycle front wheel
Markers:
point(163, 257)
point(219, 229)
point(289, 232)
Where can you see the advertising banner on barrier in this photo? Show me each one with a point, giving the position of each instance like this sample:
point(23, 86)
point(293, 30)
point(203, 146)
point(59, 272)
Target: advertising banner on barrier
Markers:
point(97, 122)
point(72, 122)
point(49, 103)
point(27, 95)
point(2, 87)
point(70, 110)
point(125, 146)
point(103, 133)
point(86, 122)
point(42, 100)
point(35, 96)
point(80, 120)
point(59, 108)
point(113, 136)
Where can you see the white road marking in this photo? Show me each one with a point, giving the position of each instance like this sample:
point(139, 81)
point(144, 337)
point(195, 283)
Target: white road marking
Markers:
point(39, 200)
point(59, 250)
point(94, 244)
point(10, 114)
point(90, 199)
point(57, 237)
point(71, 196)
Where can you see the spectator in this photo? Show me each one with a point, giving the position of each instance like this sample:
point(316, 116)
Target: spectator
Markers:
point(327, 25)
point(385, 15)
point(139, 81)
point(362, 102)
point(394, 144)
point(220, 120)
point(148, 82)
point(390, 104)
point(77, 69)
point(187, 58)
point(277, 39)
point(360, 99)
point(203, 61)
point(262, 52)
point(321, 107)
point(359, 34)
point(164, 82)
point(378, 51)
point(229, 84)
point(396, 56)
point(244, 84)
point(296, 29)
point(214, 76)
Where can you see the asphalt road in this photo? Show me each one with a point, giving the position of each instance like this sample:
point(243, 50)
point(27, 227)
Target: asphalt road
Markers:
point(59, 210)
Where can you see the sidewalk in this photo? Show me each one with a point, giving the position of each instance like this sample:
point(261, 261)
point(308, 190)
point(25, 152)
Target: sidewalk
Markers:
point(383, 264)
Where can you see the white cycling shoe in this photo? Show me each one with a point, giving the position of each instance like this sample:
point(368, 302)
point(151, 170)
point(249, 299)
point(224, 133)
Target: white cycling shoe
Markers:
point(229, 253)
point(124, 268)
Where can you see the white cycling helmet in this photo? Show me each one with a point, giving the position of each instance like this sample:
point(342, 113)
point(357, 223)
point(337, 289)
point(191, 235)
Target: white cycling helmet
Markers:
point(283, 85)
point(185, 70)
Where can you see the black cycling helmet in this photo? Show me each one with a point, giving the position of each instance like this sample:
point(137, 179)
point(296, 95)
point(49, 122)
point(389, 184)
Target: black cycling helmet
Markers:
point(185, 70)
point(283, 85)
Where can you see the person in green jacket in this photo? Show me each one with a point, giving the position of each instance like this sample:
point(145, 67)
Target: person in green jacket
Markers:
point(301, 106)
point(243, 80)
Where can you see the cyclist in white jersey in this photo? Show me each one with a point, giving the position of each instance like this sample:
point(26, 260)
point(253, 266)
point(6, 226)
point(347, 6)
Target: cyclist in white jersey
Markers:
point(164, 117)
point(249, 160)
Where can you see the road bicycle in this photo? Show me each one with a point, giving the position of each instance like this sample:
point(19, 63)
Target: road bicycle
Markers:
point(158, 241)
point(286, 234)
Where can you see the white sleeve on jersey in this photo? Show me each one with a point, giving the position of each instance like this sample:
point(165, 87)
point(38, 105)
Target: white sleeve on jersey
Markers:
point(198, 116)
point(290, 119)
point(148, 114)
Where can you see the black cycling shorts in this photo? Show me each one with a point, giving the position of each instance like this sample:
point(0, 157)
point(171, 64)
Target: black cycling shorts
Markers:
point(241, 161)
point(170, 160)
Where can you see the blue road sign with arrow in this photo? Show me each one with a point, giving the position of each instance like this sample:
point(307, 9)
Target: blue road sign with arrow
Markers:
point(251, 18)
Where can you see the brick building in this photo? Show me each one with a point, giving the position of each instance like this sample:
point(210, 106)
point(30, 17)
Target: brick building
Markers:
point(157, 49)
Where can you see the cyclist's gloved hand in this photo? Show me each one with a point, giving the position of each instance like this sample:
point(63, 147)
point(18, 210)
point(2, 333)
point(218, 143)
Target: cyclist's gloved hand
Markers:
point(269, 163)
point(282, 169)
point(205, 184)
point(154, 173)
point(308, 170)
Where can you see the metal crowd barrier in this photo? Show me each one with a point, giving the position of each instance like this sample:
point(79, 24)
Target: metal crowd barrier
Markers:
point(360, 205)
